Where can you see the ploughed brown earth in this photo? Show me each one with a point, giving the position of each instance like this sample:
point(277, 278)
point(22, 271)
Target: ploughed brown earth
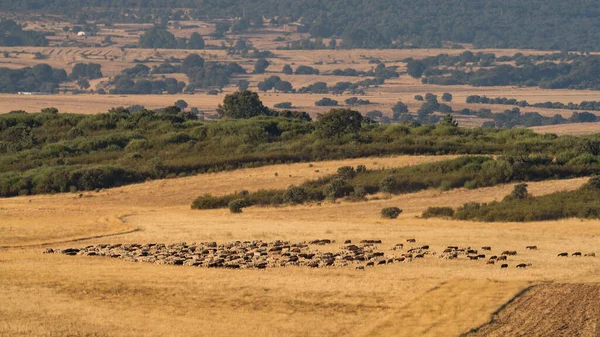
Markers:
point(545, 310)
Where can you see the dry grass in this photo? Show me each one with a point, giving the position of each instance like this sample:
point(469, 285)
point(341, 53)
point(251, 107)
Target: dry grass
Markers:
point(576, 129)
point(50, 295)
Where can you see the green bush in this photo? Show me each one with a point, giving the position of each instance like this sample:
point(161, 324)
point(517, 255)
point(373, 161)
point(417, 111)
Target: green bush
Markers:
point(390, 212)
point(388, 184)
point(208, 201)
point(441, 212)
point(236, 205)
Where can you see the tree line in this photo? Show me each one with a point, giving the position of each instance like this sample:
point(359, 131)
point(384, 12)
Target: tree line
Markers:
point(362, 24)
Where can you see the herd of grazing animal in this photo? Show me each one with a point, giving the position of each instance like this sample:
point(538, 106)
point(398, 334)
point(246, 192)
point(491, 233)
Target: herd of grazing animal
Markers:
point(259, 254)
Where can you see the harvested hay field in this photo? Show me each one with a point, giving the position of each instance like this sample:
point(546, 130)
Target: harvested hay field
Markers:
point(56, 294)
point(576, 129)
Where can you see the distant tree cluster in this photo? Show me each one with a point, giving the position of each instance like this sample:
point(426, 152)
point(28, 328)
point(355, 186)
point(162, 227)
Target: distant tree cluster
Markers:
point(39, 78)
point(513, 118)
point(578, 74)
point(585, 105)
point(275, 83)
point(361, 24)
point(12, 35)
point(162, 38)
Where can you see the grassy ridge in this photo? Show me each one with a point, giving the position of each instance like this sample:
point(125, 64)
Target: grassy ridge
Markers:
point(355, 184)
point(49, 153)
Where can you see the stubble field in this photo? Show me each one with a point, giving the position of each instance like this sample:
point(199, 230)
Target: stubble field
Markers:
point(55, 295)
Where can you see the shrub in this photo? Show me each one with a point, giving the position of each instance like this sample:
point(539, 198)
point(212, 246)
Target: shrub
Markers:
point(295, 195)
point(388, 184)
point(337, 189)
point(361, 169)
point(442, 212)
point(346, 172)
point(325, 101)
point(519, 192)
point(360, 191)
point(390, 212)
point(208, 201)
point(594, 182)
point(236, 205)
point(283, 105)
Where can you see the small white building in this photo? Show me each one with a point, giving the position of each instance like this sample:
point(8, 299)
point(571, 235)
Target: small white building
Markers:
point(82, 34)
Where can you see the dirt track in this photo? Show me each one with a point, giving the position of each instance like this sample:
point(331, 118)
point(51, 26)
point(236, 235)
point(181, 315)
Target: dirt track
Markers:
point(548, 310)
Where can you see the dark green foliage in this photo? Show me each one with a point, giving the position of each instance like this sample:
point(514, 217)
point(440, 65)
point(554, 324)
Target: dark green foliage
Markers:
point(585, 105)
point(449, 121)
point(346, 172)
point(415, 68)
point(399, 108)
point(260, 66)
point(357, 101)
point(287, 69)
point(326, 101)
point(12, 35)
point(581, 203)
point(388, 184)
point(337, 188)
point(518, 192)
point(196, 41)
point(86, 70)
point(295, 195)
point(236, 205)
point(390, 212)
point(242, 104)
point(338, 122)
point(158, 38)
point(439, 212)
point(283, 105)
point(447, 97)
point(39, 78)
point(576, 72)
point(306, 70)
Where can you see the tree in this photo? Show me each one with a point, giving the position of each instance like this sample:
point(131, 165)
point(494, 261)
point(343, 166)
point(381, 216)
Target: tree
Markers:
point(447, 97)
point(399, 108)
point(287, 69)
point(419, 98)
point(415, 68)
point(449, 121)
point(53, 111)
point(374, 114)
point(196, 41)
point(519, 192)
point(158, 38)
point(260, 66)
point(390, 212)
point(338, 122)
point(66, 29)
point(283, 86)
point(243, 85)
point(242, 104)
point(264, 86)
point(83, 83)
point(332, 44)
point(181, 104)
point(388, 184)
point(191, 61)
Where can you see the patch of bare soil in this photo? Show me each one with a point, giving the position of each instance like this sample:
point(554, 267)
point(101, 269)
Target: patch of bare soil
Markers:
point(548, 310)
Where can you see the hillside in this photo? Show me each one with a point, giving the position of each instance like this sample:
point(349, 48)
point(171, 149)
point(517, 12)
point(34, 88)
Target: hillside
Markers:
point(537, 24)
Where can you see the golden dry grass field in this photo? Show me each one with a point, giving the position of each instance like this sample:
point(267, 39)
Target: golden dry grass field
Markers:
point(58, 295)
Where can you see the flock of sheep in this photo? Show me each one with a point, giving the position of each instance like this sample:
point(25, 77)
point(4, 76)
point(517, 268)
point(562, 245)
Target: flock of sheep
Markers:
point(259, 254)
